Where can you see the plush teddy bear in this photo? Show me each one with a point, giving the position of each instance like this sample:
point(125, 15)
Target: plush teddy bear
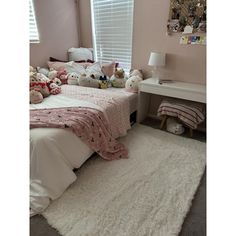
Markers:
point(88, 81)
point(35, 97)
point(53, 88)
point(118, 79)
point(72, 78)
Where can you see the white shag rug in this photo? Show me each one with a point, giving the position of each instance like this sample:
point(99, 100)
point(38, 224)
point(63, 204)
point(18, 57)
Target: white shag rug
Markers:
point(148, 194)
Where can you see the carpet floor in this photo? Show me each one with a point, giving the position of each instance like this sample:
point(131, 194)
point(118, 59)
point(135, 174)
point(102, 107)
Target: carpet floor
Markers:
point(193, 225)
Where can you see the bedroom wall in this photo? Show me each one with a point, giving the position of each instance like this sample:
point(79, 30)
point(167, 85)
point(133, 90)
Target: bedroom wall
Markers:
point(184, 62)
point(58, 29)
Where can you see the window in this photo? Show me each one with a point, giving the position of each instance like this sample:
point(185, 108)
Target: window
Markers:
point(112, 31)
point(33, 29)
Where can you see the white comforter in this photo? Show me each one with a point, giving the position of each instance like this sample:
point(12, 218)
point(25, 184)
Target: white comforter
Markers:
point(54, 153)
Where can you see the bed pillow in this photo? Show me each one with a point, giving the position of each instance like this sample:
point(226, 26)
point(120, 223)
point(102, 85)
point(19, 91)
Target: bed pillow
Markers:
point(94, 69)
point(108, 69)
point(53, 59)
point(72, 67)
point(56, 65)
point(78, 54)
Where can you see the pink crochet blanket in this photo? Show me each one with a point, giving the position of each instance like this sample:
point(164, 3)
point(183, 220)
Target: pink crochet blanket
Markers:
point(87, 123)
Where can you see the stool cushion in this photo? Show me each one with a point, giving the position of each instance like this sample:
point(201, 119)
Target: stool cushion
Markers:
point(190, 113)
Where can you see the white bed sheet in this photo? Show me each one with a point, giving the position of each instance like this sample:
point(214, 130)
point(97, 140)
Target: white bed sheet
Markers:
point(54, 153)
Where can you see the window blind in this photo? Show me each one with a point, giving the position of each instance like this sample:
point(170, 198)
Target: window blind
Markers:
point(112, 31)
point(33, 29)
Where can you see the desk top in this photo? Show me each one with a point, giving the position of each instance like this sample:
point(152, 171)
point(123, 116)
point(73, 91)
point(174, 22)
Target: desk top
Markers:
point(189, 91)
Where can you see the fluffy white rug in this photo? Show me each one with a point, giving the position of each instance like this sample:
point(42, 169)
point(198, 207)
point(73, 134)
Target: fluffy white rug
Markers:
point(148, 194)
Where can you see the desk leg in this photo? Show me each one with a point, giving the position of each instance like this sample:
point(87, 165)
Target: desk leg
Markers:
point(143, 106)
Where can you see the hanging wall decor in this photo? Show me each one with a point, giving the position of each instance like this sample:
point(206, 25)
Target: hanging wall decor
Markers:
point(190, 13)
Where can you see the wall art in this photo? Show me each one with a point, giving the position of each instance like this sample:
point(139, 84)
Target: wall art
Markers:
point(187, 13)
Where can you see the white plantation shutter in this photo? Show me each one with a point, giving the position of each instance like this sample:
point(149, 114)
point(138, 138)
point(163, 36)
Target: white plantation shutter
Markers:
point(112, 31)
point(33, 29)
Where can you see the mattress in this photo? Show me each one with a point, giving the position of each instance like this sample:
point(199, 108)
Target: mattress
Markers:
point(54, 153)
point(133, 97)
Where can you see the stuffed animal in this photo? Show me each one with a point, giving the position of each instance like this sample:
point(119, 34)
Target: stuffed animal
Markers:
point(173, 126)
point(42, 78)
point(35, 97)
point(43, 71)
point(57, 81)
point(132, 84)
point(118, 79)
point(40, 87)
point(52, 74)
point(62, 75)
point(72, 78)
point(103, 82)
point(53, 88)
point(88, 81)
point(134, 72)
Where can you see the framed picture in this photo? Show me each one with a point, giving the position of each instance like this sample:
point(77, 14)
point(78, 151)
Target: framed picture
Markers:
point(184, 13)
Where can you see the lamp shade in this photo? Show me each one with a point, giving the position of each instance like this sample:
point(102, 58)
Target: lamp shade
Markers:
point(157, 59)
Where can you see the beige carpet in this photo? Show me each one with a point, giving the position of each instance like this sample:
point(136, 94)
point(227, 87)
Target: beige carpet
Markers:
point(148, 194)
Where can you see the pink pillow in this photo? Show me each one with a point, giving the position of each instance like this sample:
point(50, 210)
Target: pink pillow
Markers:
point(56, 65)
point(108, 69)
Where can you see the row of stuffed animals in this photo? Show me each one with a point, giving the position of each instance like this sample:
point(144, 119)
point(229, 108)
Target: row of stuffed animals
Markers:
point(44, 82)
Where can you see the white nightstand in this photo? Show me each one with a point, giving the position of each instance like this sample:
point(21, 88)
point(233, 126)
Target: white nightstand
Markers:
point(187, 91)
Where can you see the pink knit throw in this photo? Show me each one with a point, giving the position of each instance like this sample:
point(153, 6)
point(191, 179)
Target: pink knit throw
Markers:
point(87, 123)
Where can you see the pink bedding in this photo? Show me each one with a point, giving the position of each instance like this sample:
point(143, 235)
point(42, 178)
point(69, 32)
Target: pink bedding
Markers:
point(114, 106)
point(87, 123)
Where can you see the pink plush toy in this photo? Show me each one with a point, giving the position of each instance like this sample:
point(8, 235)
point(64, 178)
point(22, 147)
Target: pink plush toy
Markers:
point(53, 88)
point(35, 97)
point(62, 75)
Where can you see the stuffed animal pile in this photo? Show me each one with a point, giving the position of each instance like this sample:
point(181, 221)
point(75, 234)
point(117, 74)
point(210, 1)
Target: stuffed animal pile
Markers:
point(44, 82)
point(42, 86)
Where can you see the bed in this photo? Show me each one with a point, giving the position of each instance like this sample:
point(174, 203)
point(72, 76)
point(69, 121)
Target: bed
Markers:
point(55, 153)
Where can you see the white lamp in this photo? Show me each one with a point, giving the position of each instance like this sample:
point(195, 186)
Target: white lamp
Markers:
point(155, 60)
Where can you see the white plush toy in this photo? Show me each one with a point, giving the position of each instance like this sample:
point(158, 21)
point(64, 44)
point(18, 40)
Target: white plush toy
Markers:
point(132, 84)
point(173, 126)
point(72, 78)
point(88, 81)
point(52, 74)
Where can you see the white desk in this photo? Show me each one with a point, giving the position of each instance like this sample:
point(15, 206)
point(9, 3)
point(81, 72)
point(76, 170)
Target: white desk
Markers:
point(187, 91)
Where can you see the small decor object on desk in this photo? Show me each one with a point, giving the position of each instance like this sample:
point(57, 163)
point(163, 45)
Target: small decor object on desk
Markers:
point(173, 126)
point(155, 60)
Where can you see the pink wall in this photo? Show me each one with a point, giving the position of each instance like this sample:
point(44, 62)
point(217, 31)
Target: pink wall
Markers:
point(184, 62)
point(58, 29)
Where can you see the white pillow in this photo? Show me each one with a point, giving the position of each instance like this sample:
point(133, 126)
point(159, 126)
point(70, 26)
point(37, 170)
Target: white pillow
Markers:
point(80, 54)
point(94, 69)
point(74, 67)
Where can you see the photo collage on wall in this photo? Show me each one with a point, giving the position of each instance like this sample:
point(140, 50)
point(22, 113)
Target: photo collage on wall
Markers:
point(187, 16)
